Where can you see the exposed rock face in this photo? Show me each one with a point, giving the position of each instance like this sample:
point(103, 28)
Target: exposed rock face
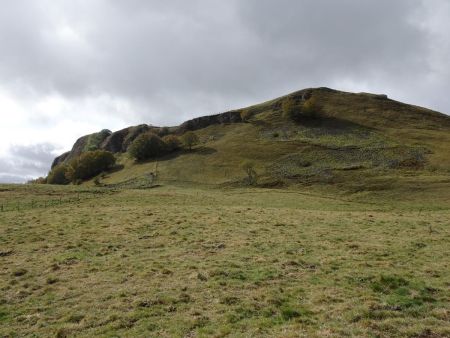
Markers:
point(60, 159)
point(119, 141)
point(205, 121)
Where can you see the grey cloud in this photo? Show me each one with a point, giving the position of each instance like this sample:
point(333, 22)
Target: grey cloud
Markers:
point(25, 162)
point(164, 54)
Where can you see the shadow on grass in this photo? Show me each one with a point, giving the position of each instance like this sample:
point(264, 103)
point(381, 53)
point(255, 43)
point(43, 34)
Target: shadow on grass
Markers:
point(201, 150)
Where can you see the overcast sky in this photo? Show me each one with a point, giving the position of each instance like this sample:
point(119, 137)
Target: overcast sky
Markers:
point(72, 67)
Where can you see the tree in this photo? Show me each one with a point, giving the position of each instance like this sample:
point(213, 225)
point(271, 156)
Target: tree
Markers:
point(290, 110)
point(58, 175)
point(189, 139)
point(249, 168)
point(146, 146)
point(90, 164)
point(172, 142)
point(311, 108)
point(39, 180)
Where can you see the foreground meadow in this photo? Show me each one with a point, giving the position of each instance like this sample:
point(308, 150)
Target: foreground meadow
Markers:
point(207, 262)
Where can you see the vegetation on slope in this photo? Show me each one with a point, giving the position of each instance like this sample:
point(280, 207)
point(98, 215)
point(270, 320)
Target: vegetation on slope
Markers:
point(311, 136)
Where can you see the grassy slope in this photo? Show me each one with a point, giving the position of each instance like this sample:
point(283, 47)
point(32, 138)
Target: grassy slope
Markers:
point(352, 149)
point(349, 247)
point(191, 261)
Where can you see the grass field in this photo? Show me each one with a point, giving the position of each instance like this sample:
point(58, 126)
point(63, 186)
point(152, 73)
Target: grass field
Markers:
point(185, 261)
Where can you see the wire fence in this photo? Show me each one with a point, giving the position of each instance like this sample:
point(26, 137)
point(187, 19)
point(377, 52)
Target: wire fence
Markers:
point(42, 203)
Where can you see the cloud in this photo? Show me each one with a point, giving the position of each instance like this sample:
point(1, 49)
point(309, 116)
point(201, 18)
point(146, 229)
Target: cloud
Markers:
point(26, 162)
point(70, 68)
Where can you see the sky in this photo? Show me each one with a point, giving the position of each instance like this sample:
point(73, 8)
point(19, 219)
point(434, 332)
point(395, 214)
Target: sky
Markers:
point(73, 67)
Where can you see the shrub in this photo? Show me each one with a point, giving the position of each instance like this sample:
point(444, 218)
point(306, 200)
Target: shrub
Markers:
point(58, 175)
point(311, 108)
point(90, 164)
point(146, 146)
point(290, 110)
point(172, 142)
point(246, 115)
point(189, 139)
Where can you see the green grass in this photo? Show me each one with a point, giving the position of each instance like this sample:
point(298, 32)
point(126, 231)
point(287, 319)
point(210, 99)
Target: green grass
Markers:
point(186, 260)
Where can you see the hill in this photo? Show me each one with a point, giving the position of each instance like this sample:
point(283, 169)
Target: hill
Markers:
point(346, 234)
point(359, 142)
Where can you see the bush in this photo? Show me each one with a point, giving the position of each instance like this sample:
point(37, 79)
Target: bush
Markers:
point(189, 139)
point(311, 108)
point(290, 110)
point(172, 142)
point(146, 146)
point(58, 175)
point(90, 164)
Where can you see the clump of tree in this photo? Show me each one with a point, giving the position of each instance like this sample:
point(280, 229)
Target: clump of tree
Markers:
point(309, 109)
point(190, 139)
point(312, 108)
point(172, 142)
point(58, 175)
point(290, 109)
point(249, 169)
point(90, 164)
point(39, 180)
point(146, 146)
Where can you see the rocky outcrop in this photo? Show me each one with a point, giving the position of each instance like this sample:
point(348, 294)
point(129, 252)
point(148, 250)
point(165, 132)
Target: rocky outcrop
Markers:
point(119, 141)
point(76, 151)
point(60, 159)
point(205, 121)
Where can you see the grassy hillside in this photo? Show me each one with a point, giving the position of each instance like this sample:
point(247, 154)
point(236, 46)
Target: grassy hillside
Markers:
point(345, 234)
point(191, 261)
point(360, 140)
